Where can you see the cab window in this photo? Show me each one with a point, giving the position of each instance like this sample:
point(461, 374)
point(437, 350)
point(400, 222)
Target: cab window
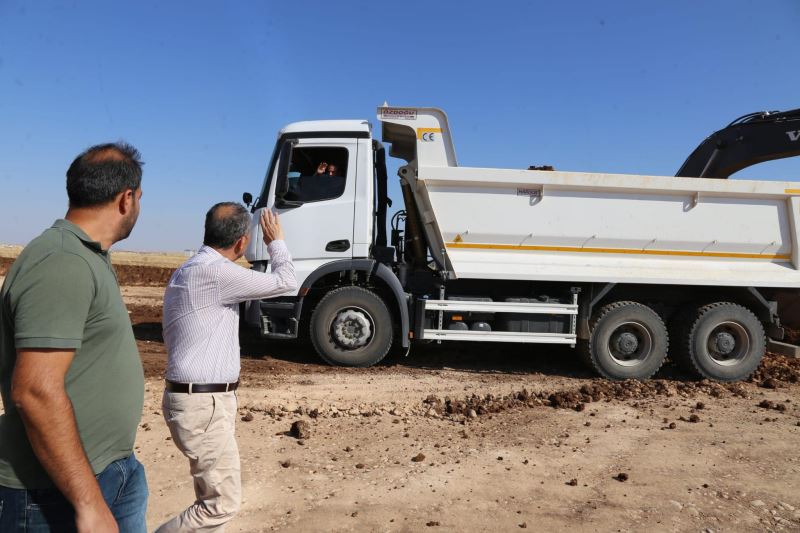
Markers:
point(316, 174)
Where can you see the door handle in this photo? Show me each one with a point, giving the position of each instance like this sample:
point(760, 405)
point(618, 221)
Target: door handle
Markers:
point(338, 246)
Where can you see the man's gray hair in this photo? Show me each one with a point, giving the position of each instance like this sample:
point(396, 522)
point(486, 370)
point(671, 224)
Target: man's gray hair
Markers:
point(226, 223)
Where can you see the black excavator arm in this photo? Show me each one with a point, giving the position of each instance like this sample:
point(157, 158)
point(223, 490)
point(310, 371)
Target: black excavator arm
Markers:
point(746, 141)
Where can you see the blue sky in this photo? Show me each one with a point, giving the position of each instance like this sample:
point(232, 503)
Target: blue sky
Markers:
point(201, 88)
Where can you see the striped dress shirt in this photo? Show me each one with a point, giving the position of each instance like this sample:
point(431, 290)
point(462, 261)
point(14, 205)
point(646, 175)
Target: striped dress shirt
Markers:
point(201, 311)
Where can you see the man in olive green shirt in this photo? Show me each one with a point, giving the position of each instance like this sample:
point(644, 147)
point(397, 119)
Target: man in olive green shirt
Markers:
point(70, 374)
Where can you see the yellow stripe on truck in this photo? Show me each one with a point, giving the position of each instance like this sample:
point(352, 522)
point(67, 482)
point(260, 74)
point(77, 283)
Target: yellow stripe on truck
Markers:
point(423, 131)
point(627, 251)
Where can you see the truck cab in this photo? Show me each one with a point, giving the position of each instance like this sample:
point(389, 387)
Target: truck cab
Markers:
point(327, 181)
point(326, 217)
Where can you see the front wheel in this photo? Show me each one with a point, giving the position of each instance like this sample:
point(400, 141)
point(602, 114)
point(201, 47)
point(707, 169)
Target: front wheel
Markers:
point(351, 326)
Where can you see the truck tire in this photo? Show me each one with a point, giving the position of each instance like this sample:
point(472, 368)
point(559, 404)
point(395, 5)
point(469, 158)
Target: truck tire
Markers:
point(722, 341)
point(627, 340)
point(351, 326)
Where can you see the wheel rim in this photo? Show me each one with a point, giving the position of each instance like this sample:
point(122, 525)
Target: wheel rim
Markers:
point(728, 343)
point(352, 328)
point(630, 343)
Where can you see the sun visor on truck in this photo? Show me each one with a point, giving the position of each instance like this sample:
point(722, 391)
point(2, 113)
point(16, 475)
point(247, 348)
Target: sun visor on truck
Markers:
point(418, 133)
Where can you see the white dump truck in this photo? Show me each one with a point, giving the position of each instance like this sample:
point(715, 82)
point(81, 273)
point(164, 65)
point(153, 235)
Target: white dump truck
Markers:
point(628, 268)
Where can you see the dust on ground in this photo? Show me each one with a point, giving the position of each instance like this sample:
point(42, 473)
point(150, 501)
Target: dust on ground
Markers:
point(474, 438)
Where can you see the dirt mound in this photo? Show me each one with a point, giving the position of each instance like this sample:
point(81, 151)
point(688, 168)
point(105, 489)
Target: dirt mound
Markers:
point(776, 370)
point(136, 275)
point(139, 275)
point(773, 371)
point(5, 264)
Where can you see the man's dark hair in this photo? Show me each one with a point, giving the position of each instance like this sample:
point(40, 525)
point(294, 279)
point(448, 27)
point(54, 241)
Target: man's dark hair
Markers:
point(102, 172)
point(226, 222)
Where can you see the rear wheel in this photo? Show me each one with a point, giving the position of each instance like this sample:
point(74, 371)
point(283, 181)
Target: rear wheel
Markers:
point(628, 340)
point(351, 326)
point(724, 341)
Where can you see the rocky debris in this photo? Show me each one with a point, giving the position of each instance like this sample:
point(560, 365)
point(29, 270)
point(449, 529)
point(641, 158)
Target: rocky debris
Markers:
point(769, 383)
point(418, 458)
point(300, 429)
point(248, 417)
point(286, 464)
point(360, 465)
point(766, 404)
point(477, 405)
point(775, 370)
point(622, 476)
point(432, 523)
point(291, 409)
point(572, 482)
point(523, 525)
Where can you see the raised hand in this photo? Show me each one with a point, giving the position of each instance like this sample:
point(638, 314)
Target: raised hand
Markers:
point(270, 226)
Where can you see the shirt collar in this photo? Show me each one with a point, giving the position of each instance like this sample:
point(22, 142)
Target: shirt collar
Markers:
point(78, 232)
point(212, 252)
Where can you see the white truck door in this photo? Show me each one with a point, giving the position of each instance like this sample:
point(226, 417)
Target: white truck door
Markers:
point(318, 203)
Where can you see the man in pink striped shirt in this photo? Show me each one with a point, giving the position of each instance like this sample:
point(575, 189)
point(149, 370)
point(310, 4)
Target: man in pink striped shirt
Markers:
point(201, 333)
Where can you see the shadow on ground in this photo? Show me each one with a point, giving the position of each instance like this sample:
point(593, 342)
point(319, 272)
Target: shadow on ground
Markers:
point(470, 357)
point(490, 358)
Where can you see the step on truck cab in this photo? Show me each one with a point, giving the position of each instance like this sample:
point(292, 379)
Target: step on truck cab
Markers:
point(629, 269)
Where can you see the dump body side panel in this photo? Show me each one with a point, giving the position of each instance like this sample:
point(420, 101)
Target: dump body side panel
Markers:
point(575, 227)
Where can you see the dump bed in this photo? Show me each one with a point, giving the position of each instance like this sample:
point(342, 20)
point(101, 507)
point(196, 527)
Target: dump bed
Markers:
point(582, 227)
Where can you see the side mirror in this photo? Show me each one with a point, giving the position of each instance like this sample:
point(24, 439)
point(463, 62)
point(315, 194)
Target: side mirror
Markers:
point(247, 198)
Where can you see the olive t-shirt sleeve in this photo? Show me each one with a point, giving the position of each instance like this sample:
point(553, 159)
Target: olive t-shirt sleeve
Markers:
point(51, 301)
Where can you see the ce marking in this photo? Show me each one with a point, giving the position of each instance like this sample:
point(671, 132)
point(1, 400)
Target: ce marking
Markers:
point(428, 134)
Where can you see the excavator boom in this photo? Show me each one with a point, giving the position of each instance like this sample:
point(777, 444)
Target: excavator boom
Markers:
point(746, 141)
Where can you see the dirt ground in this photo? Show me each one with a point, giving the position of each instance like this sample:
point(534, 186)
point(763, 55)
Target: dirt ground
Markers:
point(476, 438)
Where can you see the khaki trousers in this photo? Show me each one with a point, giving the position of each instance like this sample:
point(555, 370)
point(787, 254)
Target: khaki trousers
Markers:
point(202, 427)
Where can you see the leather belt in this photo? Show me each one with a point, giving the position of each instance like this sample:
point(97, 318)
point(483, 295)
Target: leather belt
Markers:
point(193, 388)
